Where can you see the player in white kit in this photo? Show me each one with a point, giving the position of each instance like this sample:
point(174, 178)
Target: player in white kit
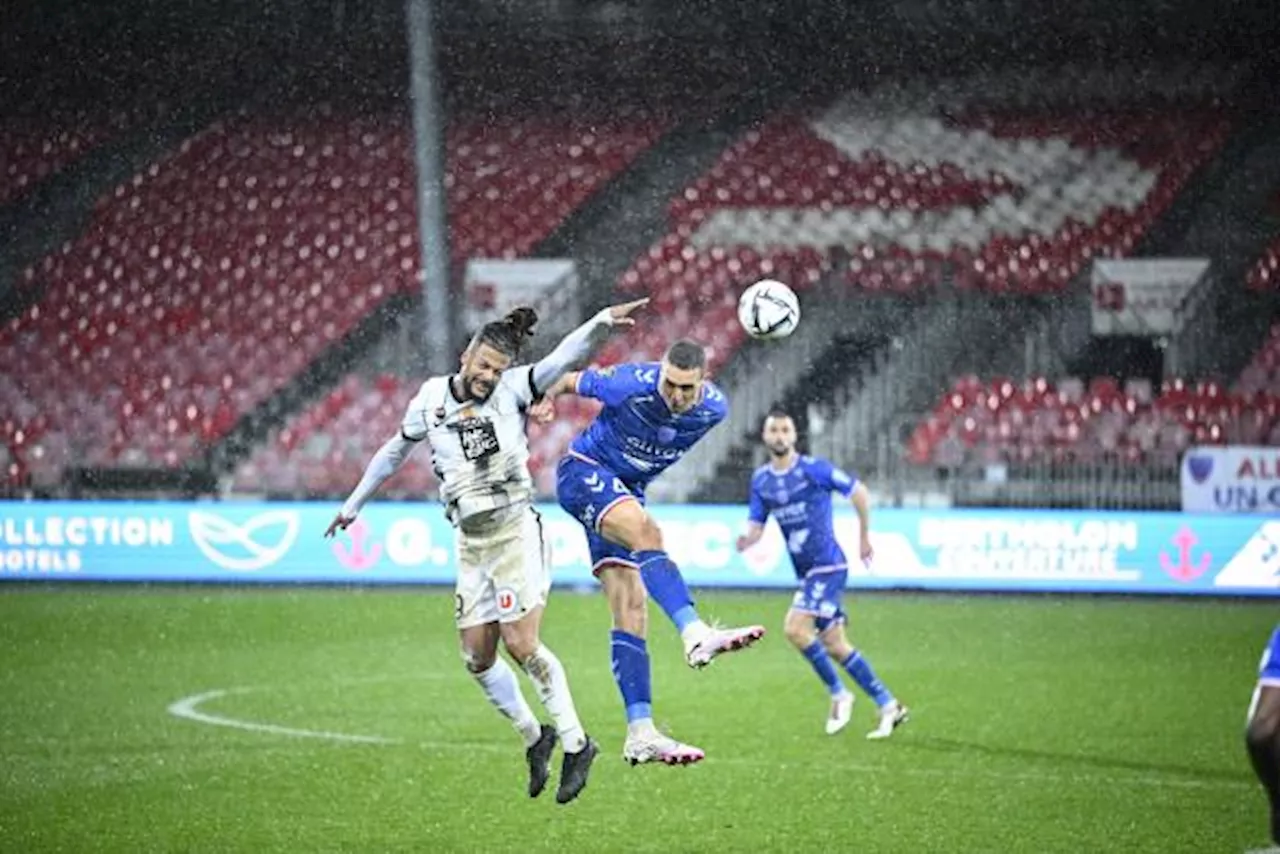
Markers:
point(474, 422)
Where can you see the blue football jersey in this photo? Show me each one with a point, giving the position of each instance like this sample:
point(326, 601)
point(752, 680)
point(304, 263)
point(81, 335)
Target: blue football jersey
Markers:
point(800, 499)
point(635, 435)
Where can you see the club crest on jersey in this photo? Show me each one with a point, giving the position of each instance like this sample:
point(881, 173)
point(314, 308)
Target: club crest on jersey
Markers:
point(666, 435)
point(439, 415)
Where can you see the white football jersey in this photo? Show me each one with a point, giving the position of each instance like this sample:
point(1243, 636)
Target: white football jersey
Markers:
point(479, 450)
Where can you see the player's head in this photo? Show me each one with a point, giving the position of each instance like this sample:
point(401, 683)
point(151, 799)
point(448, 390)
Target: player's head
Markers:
point(492, 350)
point(779, 433)
point(683, 367)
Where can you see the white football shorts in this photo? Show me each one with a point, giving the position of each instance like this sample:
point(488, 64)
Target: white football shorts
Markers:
point(504, 575)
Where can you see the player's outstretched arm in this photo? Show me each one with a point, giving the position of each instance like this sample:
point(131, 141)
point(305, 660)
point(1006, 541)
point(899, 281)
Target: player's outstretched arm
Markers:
point(578, 344)
point(752, 536)
point(861, 499)
point(543, 409)
point(386, 462)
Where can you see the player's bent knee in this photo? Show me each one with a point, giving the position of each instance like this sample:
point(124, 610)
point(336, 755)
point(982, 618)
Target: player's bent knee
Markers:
point(799, 629)
point(650, 535)
point(476, 661)
point(1261, 732)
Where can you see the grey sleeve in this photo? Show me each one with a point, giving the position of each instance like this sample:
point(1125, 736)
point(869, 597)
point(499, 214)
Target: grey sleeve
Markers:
point(571, 351)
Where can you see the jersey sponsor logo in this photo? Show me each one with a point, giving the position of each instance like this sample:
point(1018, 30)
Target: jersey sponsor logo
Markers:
point(507, 601)
point(789, 513)
point(639, 464)
point(640, 446)
point(478, 437)
point(244, 547)
point(796, 540)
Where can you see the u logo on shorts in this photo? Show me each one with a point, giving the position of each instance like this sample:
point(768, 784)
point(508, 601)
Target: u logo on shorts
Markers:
point(506, 601)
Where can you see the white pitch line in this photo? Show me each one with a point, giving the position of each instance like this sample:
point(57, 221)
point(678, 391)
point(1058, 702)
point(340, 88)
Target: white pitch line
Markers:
point(187, 708)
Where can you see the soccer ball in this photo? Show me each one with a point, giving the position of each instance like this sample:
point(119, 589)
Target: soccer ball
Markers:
point(769, 309)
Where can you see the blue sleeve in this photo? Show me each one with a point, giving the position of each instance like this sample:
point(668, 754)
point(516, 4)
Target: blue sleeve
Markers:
point(610, 385)
point(716, 402)
point(837, 480)
point(756, 511)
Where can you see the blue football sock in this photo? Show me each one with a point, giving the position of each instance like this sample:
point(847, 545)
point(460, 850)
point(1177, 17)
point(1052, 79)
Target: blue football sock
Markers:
point(631, 671)
point(666, 586)
point(866, 678)
point(817, 656)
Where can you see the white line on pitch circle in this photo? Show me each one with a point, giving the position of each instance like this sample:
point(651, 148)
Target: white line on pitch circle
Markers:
point(187, 708)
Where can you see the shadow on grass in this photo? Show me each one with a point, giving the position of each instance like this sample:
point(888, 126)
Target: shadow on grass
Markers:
point(1066, 760)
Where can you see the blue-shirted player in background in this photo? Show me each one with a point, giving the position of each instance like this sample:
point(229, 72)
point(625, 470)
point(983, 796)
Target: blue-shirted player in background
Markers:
point(796, 491)
point(1262, 736)
point(653, 414)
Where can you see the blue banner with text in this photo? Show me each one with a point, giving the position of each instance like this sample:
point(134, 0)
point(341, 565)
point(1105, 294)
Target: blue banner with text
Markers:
point(412, 543)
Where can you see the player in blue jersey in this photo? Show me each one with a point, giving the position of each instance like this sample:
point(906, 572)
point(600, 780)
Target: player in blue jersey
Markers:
point(1262, 735)
point(653, 414)
point(796, 491)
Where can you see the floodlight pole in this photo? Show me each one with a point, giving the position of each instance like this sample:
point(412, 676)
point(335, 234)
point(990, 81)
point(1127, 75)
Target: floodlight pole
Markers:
point(428, 155)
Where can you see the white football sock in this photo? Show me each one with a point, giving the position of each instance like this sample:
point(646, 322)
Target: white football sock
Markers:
point(502, 688)
point(552, 686)
point(641, 727)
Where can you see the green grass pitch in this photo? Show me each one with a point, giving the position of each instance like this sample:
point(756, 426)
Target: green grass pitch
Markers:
point(1040, 724)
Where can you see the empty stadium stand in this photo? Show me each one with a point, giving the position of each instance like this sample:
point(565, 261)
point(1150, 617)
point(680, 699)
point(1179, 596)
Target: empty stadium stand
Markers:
point(207, 281)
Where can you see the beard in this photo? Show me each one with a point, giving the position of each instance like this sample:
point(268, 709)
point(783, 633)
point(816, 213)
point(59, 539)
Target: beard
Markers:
point(778, 449)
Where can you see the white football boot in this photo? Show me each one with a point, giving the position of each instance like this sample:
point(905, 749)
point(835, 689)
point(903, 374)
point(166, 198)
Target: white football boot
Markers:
point(841, 712)
point(653, 746)
point(700, 652)
point(892, 716)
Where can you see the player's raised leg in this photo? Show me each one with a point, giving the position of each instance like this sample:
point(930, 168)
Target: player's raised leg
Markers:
point(631, 668)
point(498, 681)
point(802, 631)
point(628, 524)
point(892, 713)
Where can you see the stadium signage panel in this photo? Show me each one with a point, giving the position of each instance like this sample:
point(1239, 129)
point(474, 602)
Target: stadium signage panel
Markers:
point(1231, 479)
point(495, 286)
point(411, 543)
point(1141, 296)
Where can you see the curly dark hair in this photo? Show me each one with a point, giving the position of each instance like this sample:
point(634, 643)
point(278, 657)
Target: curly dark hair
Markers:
point(508, 335)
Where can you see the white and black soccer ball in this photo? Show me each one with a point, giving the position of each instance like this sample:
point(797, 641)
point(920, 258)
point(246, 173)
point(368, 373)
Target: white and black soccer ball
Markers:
point(769, 309)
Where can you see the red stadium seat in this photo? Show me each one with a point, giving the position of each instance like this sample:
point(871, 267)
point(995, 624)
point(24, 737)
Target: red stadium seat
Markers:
point(208, 280)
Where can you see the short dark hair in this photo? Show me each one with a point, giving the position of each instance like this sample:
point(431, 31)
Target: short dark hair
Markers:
point(686, 355)
point(508, 335)
point(776, 411)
